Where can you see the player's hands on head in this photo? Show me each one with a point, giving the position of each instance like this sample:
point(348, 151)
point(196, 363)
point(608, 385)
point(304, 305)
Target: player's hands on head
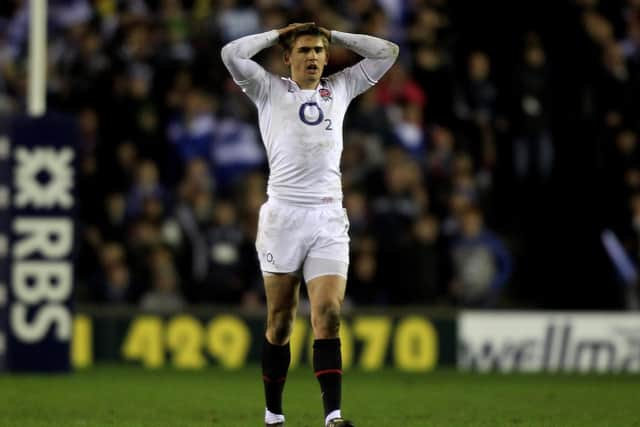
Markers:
point(296, 25)
point(327, 33)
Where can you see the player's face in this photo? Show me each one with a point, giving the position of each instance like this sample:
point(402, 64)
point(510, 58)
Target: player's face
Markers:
point(307, 60)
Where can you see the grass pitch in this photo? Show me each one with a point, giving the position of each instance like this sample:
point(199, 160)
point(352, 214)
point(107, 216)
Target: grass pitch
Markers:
point(130, 396)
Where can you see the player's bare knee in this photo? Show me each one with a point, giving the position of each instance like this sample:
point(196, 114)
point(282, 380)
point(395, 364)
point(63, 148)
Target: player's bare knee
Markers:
point(279, 326)
point(282, 332)
point(327, 321)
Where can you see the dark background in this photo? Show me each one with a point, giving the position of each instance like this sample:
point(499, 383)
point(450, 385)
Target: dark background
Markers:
point(550, 227)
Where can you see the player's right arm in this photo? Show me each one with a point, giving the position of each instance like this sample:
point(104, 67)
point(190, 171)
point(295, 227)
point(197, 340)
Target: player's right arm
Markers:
point(248, 74)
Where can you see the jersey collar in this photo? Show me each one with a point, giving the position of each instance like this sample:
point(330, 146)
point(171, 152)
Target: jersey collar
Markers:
point(293, 86)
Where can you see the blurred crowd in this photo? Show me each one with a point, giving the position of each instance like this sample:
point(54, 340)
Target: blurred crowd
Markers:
point(172, 171)
point(610, 45)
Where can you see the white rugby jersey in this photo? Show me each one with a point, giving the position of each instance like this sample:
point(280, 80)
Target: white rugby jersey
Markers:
point(302, 129)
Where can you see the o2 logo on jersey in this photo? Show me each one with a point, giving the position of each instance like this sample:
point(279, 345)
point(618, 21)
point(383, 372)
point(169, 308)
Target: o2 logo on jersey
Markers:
point(311, 114)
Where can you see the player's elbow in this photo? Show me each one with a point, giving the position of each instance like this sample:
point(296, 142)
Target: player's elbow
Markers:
point(226, 53)
point(394, 50)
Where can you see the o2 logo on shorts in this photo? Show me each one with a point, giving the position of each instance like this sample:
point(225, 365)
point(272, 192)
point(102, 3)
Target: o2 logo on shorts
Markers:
point(269, 258)
point(319, 116)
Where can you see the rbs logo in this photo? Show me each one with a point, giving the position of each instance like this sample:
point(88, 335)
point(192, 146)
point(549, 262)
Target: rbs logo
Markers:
point(42, 273)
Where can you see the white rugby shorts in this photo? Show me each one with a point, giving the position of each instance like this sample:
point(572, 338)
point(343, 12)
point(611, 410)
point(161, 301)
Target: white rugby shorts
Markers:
point(289, 235)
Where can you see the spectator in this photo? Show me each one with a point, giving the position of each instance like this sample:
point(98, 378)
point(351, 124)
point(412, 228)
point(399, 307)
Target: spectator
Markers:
point(533, 146)
point(235, 20)
point(164, 294)
point(193, 214)
point(476, 99)
point(177, 27)
point(427, 260)
point(481, 263)
point(230, 268)
point(409, 132)
point(193, 131)
point(113, 282)
point(393, 213)
point(146, 185)
point(434, 74)
point(143, 237)
point(235, 152)
point(114, 220)
point(365, 287)
point(399, 88)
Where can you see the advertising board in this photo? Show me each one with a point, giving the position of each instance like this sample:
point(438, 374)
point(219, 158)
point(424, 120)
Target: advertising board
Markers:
point(549, 342)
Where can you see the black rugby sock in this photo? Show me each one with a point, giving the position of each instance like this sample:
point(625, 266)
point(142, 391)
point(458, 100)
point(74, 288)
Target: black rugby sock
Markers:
point(275, 364)
point(327, 365)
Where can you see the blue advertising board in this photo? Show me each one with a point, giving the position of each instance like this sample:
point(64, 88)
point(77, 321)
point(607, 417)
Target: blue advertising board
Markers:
point(39, 231)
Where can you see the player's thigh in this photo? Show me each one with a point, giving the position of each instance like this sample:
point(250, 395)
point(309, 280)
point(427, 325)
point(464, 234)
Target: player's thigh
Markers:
point(326, 294)
point(326, 291)
point(282, 291)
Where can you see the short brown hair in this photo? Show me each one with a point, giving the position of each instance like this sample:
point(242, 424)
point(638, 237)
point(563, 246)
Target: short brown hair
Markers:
point(290, 38)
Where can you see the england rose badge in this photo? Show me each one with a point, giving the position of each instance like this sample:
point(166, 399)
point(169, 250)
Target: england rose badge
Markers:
point(325, 94)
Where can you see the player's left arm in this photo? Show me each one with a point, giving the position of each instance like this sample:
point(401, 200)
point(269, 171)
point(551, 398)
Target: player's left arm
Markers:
point(379, 55)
